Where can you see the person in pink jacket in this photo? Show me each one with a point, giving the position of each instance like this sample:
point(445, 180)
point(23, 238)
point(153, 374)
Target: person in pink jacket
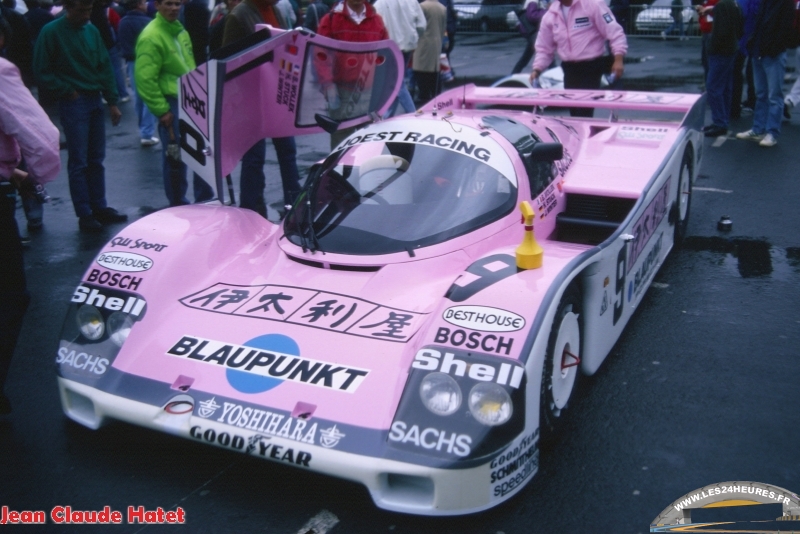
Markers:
point(25, 130)
point(577, 30)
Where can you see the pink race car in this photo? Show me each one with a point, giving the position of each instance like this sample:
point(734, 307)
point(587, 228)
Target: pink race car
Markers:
point(391, 330)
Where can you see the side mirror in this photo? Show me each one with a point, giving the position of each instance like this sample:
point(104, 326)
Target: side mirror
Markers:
point(546, 152)
point(326, 123)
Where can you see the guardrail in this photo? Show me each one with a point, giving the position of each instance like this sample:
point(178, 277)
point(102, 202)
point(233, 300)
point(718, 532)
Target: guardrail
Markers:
point(641, 20)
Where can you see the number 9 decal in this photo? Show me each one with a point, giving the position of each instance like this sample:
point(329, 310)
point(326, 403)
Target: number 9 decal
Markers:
point(619, 286)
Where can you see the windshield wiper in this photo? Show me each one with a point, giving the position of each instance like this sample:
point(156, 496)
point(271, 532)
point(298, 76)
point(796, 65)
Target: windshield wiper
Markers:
point(314, 246)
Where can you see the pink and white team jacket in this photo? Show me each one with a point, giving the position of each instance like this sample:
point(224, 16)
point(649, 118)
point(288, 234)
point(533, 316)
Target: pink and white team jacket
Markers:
point(25, 129)
point(590, 24)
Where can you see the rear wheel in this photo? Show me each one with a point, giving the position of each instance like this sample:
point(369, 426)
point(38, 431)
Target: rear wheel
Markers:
point(684, 199)
point(561, 367)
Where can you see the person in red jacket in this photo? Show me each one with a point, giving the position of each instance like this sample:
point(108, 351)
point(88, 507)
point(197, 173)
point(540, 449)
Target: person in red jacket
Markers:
point(706, 13)
point(355, 21)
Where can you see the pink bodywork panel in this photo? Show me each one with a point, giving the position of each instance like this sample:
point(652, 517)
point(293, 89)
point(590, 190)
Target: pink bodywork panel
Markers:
point(210, 249)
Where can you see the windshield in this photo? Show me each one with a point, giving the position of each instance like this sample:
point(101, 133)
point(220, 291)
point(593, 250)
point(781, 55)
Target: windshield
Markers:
point(387, 197)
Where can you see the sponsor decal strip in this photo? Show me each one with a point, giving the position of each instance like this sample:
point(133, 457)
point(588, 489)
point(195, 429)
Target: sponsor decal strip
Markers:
point(82, 360)
point(131, 304)
point(514, 466)
point(648, 222)
point(122, 281)
point(646, 270)
point(126, 262)
point(256, 445)
point(504, 374)
point(442, 141)
point(127, 242)
point(268, 422)
point(317, 309)
point(484, 318)
point(269, 364)
point(431, 438)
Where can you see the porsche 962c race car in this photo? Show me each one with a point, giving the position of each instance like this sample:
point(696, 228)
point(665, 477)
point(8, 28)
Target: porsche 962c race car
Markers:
point(399, 328)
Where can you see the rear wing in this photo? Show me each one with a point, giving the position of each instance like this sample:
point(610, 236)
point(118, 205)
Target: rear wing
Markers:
point(690, 107)
point(279, 84)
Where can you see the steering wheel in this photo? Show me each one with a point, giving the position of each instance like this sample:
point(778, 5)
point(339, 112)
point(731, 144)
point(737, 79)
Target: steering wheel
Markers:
point(384, 169)
point(377, 199)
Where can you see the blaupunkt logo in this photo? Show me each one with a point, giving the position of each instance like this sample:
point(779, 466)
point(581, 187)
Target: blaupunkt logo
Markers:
point(265, 362)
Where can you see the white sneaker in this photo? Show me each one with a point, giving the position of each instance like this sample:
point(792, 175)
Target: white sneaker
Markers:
point(125, 99)
point(663, 36)
point(768, 140)
point(151, 142)
point(750, 135)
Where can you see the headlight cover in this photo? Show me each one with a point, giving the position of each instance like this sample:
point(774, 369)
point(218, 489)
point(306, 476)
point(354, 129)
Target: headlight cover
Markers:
point(440, 393)
point(490, 404)
point(119, 326)
point(458, 406)
point(90, 322)
point(99, 321)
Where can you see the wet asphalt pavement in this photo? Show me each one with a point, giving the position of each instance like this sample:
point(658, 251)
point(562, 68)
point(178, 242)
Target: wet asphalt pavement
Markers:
point(702, 387)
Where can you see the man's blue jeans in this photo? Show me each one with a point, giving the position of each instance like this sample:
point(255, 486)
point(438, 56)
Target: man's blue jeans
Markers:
point(676, 24)
point(404, 95)
point(719, 86)
point(768, 77)
point(147, 121)
point(83, 120)
point(116, 65)
point(253, 181)
point(175, 184)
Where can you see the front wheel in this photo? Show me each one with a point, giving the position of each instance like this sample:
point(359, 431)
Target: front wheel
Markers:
point(561, 366)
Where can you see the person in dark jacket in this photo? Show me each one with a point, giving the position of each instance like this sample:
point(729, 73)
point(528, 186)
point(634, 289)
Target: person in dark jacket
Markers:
point(100, 21)
point(767, 50)
point(314, 13)
point(452, 20)
point(130, 27)
point(19, 46)
point(71, 60)
point(38, 15)
point(529, 20)
point(239, 24)
point(196, 18)
point(722, 45)
point(216, 29)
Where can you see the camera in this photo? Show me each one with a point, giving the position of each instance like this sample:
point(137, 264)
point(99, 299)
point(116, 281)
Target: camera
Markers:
point(28, 187)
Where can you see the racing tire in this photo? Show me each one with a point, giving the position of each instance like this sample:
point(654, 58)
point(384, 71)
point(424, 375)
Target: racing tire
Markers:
point(560, 383)
point(683, 201)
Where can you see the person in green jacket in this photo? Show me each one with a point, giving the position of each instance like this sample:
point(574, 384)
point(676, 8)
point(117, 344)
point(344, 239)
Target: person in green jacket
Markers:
point(164, 54)
point(72, 63)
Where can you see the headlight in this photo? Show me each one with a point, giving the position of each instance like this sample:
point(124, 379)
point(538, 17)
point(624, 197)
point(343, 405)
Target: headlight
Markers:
point(490, 404)
point(90, 322)
point(440, 393)
point(546, 82)
point(119, 326)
